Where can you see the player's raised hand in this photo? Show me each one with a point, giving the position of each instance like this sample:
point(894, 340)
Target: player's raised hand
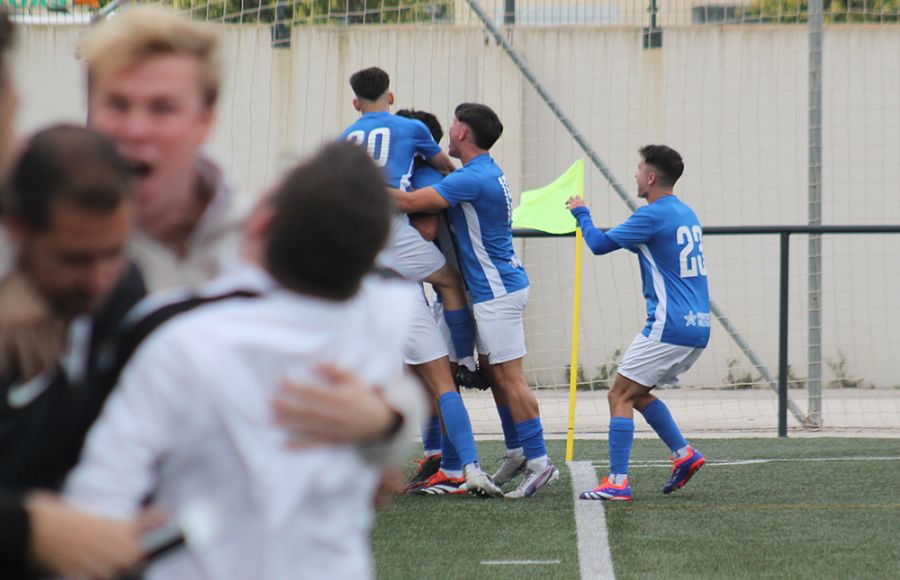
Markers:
point(339, 409)
point(575, 201)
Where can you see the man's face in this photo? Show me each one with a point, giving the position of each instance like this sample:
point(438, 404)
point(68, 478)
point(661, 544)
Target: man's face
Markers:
point(75, 263)
point(644, 177)
point(455, 135)
point(157, 116)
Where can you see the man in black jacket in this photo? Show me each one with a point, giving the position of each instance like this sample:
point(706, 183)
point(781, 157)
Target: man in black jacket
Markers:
point(69, 208)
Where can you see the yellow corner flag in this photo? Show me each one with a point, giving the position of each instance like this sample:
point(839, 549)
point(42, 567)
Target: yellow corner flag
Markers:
point(544, 209)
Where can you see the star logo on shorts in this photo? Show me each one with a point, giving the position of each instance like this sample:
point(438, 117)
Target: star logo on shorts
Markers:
point(690, 319)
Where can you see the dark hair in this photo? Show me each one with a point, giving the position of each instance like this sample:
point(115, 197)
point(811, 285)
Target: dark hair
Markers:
point(370, 83)
point(483, 122)
point(430, 121)
point(66, 164)
point(332, 216)
point(666, 161)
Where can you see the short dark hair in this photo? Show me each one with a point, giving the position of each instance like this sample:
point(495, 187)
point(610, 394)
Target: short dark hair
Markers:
point(68, 164)
point(332, 216)
point(430, 121)
point(370, 83)
point(483, 122)
point(666, 161)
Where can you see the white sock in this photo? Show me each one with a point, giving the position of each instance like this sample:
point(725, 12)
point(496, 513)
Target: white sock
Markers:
point(468, 362)
point(618, 478)
point(516, 452)
point(432, 453)
point(453, 473)
point(538, 463)
point(683, 452)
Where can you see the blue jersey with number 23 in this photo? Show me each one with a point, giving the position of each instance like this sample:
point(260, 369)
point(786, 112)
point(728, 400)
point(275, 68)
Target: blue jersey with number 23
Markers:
point(668, 239)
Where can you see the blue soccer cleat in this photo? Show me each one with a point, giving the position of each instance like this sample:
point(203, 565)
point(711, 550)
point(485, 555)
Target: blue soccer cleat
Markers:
point(683, 470)
point(609, 492)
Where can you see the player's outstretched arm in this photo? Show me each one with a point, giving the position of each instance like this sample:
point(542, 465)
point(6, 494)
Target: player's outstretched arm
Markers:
point(426, 200)
point(597, 241)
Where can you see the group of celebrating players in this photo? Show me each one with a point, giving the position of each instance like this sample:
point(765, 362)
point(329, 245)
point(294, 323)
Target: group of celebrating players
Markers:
point(160, 340)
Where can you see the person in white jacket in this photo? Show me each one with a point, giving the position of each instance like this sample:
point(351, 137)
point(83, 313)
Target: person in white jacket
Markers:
point(191, 421)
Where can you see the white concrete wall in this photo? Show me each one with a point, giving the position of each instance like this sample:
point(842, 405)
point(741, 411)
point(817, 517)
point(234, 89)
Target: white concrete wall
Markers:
point(733, 100)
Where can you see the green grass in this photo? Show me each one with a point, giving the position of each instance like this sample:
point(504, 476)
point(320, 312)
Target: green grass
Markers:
point(782, 519)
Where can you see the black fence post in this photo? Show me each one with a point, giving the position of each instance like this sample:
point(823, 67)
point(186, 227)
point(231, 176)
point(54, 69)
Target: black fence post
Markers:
point(783, 334)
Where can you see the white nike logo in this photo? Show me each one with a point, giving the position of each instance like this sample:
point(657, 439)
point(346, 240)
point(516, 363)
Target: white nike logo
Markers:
point(20, 395)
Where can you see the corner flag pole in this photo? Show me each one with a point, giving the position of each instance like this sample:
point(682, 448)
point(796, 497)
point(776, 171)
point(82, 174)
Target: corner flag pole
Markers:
point(573, 366)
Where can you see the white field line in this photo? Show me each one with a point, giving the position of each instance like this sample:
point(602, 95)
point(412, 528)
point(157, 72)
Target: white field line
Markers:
point(726, 462)
point(594, 558)
point(518, 562)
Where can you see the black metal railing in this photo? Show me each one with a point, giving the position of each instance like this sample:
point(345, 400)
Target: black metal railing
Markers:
point(784, 233)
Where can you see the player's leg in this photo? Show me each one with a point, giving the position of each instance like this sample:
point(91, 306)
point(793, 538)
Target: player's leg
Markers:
point(501, 337)
point(448, 282)
point(432, 448)
point(621, 397)
point(436, 376)
point(646, 363)
point(421, 261)
point(514, 460)
point(426, 351)
point(685, 459)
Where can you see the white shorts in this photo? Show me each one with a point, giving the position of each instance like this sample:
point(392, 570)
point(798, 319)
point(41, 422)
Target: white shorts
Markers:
point(651, 363)
point(424, 341)
point(408, 253)
point(500, 327)
point(437, 310)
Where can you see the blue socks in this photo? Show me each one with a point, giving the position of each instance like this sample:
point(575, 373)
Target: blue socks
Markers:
point(659, 417)
point(531, 433)
point(462, 331)
point(449, 457)
point(431, 434)
point(621, 435)
point(459, 428)
point(510, 434)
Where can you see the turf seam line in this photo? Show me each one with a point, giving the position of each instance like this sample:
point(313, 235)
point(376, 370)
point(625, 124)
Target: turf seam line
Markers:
point(594, 557)
point(729, 462)
point(518, 562)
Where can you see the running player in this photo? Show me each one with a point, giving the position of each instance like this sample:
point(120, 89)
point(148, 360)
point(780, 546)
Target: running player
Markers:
point(668, 240)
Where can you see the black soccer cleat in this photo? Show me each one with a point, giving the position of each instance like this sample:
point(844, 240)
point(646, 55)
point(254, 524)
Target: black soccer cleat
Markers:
point(467, 379)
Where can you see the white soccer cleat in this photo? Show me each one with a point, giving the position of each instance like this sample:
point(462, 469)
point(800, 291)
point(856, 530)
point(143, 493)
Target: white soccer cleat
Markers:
point(533, 481)
point(480, 483)
point(511, 467)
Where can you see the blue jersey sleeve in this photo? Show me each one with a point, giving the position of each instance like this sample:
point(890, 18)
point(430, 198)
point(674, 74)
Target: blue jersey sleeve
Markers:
point(637, 229)
point(459, 186)
point(597, 241)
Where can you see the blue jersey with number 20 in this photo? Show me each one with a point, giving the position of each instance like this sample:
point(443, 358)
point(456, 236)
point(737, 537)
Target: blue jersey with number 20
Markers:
point(393, 143)
point(668, 239)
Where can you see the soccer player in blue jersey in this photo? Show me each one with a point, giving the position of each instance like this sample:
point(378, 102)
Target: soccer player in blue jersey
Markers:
point(668, 240)
point(425, 350)
point(481, 213)
point(395, 143)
